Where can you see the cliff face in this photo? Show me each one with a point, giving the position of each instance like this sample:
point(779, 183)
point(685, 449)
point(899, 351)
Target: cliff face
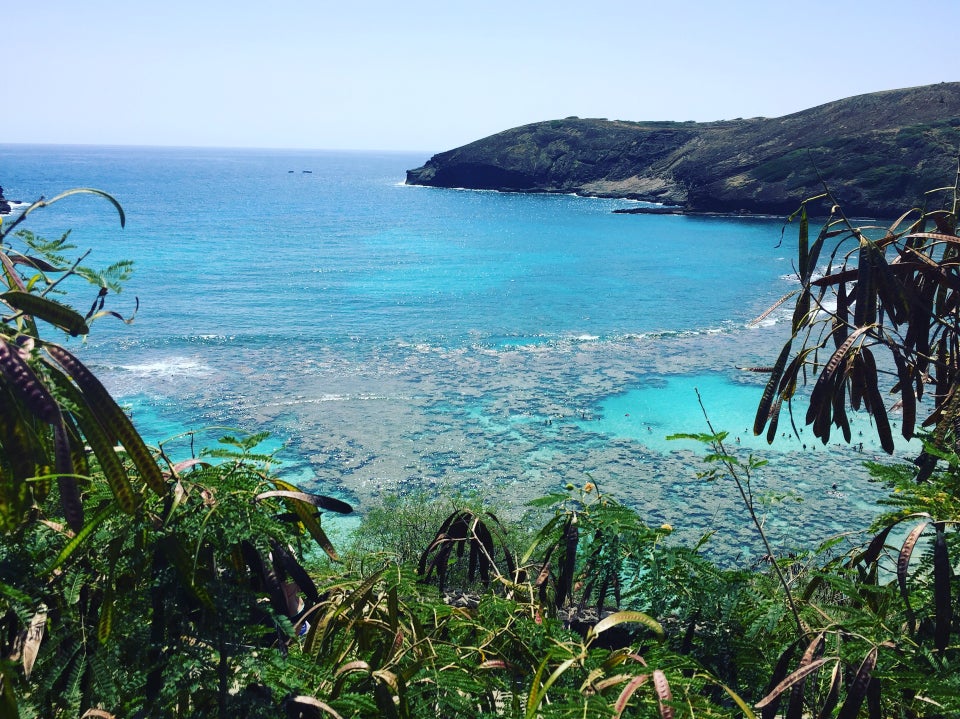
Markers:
point(878, 154)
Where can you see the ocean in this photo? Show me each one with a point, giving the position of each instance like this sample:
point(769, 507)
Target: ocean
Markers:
point(395, 338)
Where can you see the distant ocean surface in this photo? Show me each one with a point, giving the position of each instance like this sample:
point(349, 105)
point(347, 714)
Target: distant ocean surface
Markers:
point(395, 338)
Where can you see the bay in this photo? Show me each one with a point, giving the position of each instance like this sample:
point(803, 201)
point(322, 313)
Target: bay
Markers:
point(395, 338)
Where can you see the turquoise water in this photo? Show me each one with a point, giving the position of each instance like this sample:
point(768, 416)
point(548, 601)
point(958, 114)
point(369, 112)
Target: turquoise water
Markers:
point(394, 337)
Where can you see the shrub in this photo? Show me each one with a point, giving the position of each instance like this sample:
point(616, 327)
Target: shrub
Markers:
point(128, 585)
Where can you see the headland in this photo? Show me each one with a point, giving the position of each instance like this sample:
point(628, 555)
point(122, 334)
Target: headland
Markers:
point(877, 153)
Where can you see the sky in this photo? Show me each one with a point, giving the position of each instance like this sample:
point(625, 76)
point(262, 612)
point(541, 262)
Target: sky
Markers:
point(420, 75)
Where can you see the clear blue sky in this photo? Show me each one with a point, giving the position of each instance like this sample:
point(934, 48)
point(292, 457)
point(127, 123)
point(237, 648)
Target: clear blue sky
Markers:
point(429, 76)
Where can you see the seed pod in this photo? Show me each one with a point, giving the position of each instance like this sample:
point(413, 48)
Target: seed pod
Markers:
point(317, 500)
point(833, 696)
point(774, 420)
point(874, 708)
point(265, 575)
point(102, 447)
point(779, 673)
point(873, 550)
point(865, 311)
point(309, 518)
point(19, 441)
point(827, 379)
point(26, 385)
point(841, 328)
point(789, 681)
point(34, 636)
point(875, 403)
point(763, 410)
point(628, 691)
point(840, 410)
point(908, 397)
point(941, 590)
point(43, 308)
point(296, 571)
point(111, 417)
point(903, 563)
point(858, 688)
point(571, 537)
point(105, 620)
point(795, 706)
point(69, 491)
point(662, 687)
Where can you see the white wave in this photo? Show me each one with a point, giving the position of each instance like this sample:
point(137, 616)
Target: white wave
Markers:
point(359, 397)
point(829, 304)
point(770, 320)
point(169, 367)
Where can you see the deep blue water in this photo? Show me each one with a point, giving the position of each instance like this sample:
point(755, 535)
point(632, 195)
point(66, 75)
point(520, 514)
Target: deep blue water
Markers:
point(397, 337)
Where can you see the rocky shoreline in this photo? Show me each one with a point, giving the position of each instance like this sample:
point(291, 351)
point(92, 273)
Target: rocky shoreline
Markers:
point(649, 211)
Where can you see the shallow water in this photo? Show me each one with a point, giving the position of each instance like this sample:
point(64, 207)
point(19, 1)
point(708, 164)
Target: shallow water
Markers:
point(394, 337)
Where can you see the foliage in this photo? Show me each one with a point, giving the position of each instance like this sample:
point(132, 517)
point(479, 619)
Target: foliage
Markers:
point(721, 462)
point(124, 583)
point(877, 625)
point(580, 556)
point(481, 537)
point(879, 318)
point(142, 584)
point(399, 526)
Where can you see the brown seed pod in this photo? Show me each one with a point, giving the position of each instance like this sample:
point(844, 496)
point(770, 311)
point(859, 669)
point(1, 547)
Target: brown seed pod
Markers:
point(26, 385)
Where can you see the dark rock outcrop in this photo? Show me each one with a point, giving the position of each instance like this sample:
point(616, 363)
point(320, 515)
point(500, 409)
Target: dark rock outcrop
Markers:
point(878, 154)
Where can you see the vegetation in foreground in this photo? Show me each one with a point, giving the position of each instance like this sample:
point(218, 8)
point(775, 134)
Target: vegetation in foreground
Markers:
point(136, 584)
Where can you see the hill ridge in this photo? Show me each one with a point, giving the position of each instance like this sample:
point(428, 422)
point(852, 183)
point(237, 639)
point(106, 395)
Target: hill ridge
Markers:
point(878, 153)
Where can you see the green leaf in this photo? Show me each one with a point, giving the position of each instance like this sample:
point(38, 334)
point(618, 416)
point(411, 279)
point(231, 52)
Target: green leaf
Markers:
point(702, 437)
point(8, 697)
point(13, 594)
point(537, 693)
point(720, 457)
point(80, 537)
point(112, 277)
point(744, 707)
point(548, 500)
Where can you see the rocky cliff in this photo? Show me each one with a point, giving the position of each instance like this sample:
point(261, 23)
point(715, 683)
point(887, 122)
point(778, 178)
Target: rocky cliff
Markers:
point(878, 154)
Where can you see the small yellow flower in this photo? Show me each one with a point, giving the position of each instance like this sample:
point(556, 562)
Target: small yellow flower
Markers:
point(588, 487)
point(666, 528)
